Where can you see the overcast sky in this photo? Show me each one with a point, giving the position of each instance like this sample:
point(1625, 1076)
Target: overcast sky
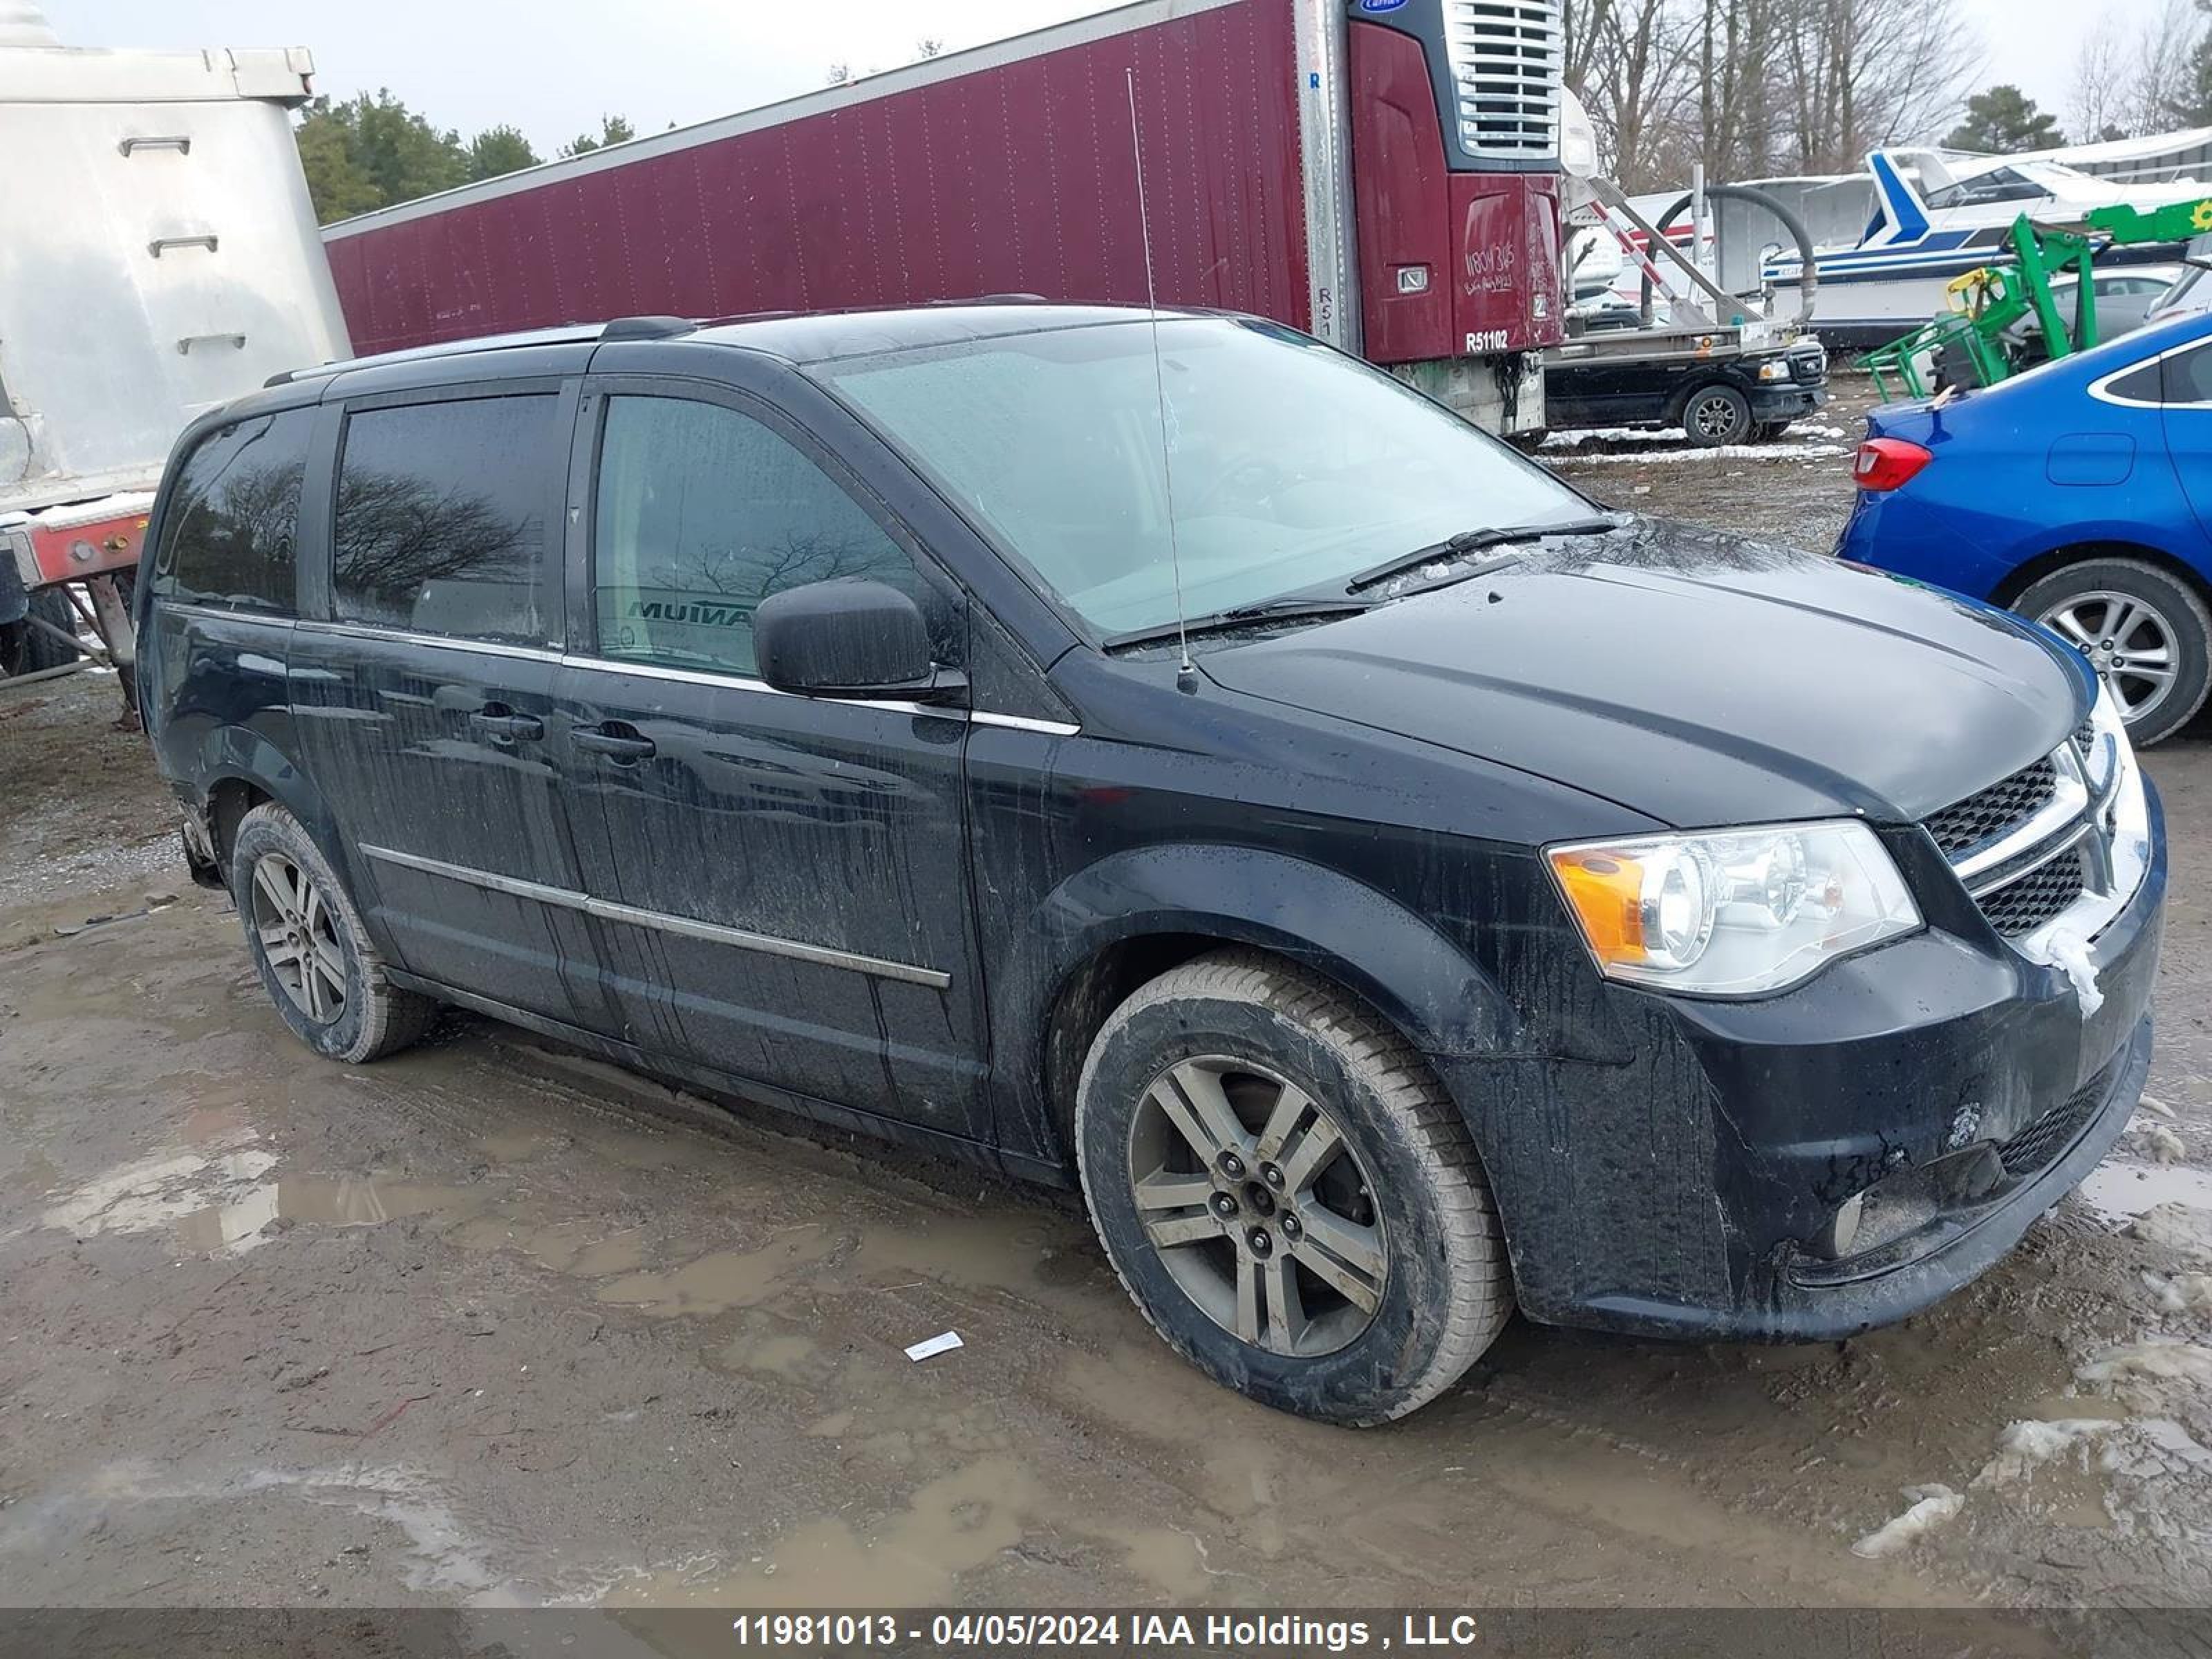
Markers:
point(551, 67)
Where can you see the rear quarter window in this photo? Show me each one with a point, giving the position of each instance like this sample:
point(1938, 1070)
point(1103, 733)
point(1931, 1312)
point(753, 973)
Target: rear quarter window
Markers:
point(233, 517)
point(442, 518)
point(2188, 376)
point(2140, 384)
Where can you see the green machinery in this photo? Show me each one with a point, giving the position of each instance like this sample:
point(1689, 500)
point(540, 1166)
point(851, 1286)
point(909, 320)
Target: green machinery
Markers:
point(1984, 303)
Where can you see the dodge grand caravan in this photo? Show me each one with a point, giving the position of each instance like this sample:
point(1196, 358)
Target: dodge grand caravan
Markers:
point(1182, 761)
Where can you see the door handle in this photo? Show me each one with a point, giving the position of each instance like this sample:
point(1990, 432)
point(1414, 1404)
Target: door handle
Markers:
point(617, 741)
point(500, 724)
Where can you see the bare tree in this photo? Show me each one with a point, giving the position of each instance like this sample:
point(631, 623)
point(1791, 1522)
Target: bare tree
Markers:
point(926, 48)
point(2096, 102)
point(1860, 74)
point(2161, 69)
point(1753, 87)
point(839, 74)
point(1636, 71)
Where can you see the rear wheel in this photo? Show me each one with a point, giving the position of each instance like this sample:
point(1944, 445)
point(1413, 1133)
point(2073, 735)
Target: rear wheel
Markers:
point(1287, 1192)
point(1716, 414)
point(314, 957)
point(2144, 630)
point(27, 650)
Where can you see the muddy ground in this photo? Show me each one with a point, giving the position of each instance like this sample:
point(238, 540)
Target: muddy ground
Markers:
point(1796, 490)
point(487, 1325)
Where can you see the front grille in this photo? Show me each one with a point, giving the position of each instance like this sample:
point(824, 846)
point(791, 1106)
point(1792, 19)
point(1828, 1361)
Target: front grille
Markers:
point(1997, 809)
point(1505, 67)
point(2022, 907)
point(2034, 1147)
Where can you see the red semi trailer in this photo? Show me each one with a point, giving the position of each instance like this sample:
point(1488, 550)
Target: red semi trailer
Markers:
point(1382, 174)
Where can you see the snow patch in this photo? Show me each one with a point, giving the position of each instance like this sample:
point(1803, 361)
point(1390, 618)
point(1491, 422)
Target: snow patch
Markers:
point(2068, 952)
point(2183, 1362)
point(2182, 1292)
point(2162, 1143)
point(2023, 1445)
point(1675, 435)
point(2184, 1227)
point(1932, 1506)
point(2152, 1447)
point(1718, 452)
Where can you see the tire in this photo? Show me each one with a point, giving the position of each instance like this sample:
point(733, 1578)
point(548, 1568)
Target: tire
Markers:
point(1253, 1024)
point(2082, 601)
point(1715, 414)
point(1765, 432)
point(348, 1010)
point(28, 650)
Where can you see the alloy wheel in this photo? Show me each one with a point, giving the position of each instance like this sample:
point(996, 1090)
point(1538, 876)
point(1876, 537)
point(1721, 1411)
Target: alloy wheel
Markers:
point(1257, 1206)
point(298, 932)
point(1714, 417)
point(2128, 641)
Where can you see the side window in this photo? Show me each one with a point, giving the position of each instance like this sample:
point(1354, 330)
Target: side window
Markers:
point(702, 512)
point(442, 518)
point(2139, 385)
point(234, 516)
point(2188, 376)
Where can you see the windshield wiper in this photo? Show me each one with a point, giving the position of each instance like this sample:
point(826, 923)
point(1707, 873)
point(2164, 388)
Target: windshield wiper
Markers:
point(1471, 541)
point(1290, 607)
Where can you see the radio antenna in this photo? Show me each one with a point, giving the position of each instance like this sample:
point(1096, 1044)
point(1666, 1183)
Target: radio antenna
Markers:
point(1185, 672)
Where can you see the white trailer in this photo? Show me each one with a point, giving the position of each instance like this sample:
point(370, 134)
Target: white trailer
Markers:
point(158, 256)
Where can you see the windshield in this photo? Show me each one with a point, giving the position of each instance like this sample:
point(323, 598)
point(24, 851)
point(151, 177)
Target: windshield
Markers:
point(1290, 465)
point(2059, 177)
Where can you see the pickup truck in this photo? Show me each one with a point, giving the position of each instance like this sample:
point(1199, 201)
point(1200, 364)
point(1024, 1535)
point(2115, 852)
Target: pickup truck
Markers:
point(1717, 389)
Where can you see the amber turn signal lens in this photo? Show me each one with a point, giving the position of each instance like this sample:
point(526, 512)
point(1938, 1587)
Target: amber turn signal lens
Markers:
point(1606, 892)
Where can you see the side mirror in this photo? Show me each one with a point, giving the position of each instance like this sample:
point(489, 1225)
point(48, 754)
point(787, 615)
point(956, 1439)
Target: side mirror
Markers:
point(847, 638)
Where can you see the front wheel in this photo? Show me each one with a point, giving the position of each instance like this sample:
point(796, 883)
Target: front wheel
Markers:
point(1716, 414)
point(1287, 1192)
point(2144, 630)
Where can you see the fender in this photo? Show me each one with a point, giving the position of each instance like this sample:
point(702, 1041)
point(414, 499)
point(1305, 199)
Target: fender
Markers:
point(1412, 975)
point(238, 754)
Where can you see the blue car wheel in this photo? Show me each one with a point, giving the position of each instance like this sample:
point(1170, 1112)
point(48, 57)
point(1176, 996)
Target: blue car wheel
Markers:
point(2143, 629)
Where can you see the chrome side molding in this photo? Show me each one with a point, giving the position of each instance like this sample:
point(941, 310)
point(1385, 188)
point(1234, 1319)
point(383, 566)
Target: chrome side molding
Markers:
point(688, 926)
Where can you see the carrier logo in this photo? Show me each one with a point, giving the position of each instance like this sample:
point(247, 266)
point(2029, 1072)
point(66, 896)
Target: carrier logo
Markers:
point(1374, 8)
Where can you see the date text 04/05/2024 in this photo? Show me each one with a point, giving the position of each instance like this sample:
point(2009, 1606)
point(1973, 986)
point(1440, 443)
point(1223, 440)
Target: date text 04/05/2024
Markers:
point(984, 1631)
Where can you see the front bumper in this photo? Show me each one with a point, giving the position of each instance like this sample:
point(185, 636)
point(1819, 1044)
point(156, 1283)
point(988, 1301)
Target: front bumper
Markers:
point(1784, 400)
point(1690, 1192)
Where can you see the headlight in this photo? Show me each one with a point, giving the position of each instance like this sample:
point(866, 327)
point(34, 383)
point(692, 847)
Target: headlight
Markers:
point(1777, 370)
point(1732, 912)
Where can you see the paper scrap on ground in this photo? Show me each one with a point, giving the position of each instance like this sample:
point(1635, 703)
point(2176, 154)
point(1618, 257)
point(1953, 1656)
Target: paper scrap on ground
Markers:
point(944, 1342)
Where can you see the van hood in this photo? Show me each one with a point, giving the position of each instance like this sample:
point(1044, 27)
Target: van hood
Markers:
point(1694, 677)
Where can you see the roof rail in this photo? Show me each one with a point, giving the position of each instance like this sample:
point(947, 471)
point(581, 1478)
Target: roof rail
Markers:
point(621, 328)
point(647, 328)
point(989, 299)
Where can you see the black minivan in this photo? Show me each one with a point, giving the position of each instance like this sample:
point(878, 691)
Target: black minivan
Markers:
point(1162, 752)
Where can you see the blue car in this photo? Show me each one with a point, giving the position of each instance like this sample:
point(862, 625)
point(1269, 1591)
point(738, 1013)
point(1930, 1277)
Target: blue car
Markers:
point(2079, 494)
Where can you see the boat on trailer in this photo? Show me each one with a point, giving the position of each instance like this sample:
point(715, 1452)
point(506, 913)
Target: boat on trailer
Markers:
point(1938, 214)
